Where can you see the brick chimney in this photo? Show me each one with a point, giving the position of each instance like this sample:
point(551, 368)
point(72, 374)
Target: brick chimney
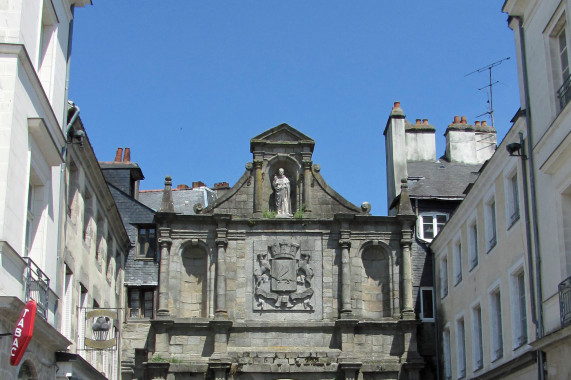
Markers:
point(127, 156)
point(119, 155)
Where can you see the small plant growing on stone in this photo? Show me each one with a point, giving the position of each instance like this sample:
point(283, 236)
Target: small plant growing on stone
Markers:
point(299, 213)
point(158, 359)
point(269, 214)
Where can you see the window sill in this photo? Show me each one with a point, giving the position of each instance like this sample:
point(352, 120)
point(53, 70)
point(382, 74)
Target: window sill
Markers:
point(473, 266)
point(513, 221)
point(497, 358)
point(144, 258)
point(492, 246)
point(520, 344)
point(137, 320)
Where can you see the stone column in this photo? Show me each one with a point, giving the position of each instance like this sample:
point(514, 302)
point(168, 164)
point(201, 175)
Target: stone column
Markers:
point(345, 244)
point(307, 163)
point(220, 369)
point(165, 245)
point(258, 189)
point(221, 244)
point(345, 276)
point(406, 242)
point(350, 369)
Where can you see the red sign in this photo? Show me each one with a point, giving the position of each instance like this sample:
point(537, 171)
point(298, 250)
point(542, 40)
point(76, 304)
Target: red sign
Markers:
point(23, 332)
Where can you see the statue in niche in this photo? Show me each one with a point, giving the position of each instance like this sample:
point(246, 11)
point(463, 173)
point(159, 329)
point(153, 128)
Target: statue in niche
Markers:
point(282, 193)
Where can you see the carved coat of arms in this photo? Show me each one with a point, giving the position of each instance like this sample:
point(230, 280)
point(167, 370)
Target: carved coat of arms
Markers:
point(282, 277)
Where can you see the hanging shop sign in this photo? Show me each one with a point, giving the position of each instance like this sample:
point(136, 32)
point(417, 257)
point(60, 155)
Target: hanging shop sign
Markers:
point(23, 332)
point(101, 330)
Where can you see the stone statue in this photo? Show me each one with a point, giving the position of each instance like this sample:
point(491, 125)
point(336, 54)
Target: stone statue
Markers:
point(282, 190)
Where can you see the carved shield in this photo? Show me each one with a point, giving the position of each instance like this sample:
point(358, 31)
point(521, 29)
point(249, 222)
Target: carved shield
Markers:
point(283, 275)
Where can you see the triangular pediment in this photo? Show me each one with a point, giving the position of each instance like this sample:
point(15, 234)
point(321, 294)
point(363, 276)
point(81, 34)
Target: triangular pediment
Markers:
point(282, 133)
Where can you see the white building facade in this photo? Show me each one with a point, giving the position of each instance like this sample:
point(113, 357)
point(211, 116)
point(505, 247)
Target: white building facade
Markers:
point(481, 269)
point(34, 159)
point(513, 313)
point(542, 38)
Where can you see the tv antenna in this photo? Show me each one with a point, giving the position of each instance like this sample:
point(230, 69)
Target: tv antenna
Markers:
point(490, 86)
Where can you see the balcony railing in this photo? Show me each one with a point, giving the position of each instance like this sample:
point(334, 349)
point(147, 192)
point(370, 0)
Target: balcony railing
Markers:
point(37, 285)
point(564, 92)
point(565, 302)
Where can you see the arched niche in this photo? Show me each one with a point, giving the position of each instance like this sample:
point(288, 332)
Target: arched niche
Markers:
point(194, 281)
point(376, 281)
point(292, 171)
point(27, 371)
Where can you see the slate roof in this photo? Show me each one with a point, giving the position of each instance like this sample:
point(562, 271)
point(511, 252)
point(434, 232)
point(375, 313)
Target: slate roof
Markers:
point(183, 199)
point(440, 179)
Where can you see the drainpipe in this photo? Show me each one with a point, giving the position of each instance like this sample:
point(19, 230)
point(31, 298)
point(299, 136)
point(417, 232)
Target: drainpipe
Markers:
point(540, 358)
point(436, 329)
point(523, 157)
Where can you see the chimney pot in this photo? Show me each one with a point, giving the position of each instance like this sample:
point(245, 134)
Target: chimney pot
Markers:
point(424, 121)
point(119, 155)
point(396, 105)
point(477, 122)
point(456, 119)
point(417, 121)
point(463, 120)
point(484, 123)
point(127, 156)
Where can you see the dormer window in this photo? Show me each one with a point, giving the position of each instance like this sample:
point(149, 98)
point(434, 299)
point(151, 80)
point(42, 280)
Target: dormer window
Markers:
point(429, 225)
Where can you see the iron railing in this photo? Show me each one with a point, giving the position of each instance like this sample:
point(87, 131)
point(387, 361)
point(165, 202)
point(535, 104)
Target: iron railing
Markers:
point(37, 285)
point(564, 92)
point(565, 302)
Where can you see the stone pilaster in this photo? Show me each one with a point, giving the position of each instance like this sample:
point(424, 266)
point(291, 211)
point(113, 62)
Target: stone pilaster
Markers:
point(165, 245)
point(411, 359)
point(346, 330)
point(345, 245)
point(221, 245)
point(407, 218)
point(307, 164)
point(220, 368)
point(258, 188)
point(350, 369)
point(221, 330)
point(407, 302)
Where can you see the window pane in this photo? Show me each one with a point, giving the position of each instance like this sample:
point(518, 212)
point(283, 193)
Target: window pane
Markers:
point(428, 227)
point(148, 312)
point(134, 303)
point(427, 308)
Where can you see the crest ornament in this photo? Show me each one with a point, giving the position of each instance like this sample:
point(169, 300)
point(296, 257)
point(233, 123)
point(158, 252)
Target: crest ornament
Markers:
point(283, 277)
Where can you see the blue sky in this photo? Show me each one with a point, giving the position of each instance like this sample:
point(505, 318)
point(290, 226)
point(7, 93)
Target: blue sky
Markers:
point(187, 84)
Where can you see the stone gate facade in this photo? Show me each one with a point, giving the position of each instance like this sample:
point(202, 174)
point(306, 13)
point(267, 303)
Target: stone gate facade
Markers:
point(249, 291)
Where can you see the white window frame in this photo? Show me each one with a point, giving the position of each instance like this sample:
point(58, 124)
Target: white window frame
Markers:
point(512, 191)
point(491, 222)
point(444, 276)
point(47, 46)
point(460, 333)
point(553, 31)
point(446, 352)
point(420, 224)
point(496, 322)
point(424, 289)
point(457, 261)
point(473, 254)
point(477, 337)
point(519, 314)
